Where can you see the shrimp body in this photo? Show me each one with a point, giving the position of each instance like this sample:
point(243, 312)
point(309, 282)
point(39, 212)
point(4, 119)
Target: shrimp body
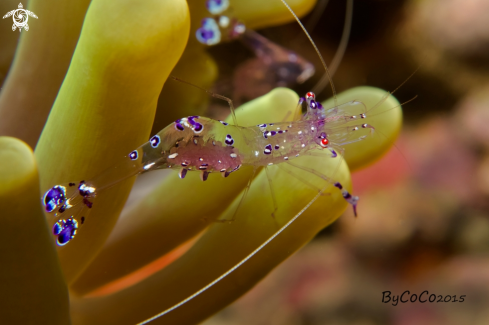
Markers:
point(201, 144)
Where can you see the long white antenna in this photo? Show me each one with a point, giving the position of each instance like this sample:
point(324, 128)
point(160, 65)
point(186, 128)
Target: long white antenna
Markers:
point(316, 49)
point(244, 260)
point(340, 52)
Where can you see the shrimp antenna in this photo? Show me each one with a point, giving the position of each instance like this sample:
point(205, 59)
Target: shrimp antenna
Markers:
point(316, 49)
point(340, 52)
point(402, 84)
point(316, 15)
point(231, 270)
point(230, 102)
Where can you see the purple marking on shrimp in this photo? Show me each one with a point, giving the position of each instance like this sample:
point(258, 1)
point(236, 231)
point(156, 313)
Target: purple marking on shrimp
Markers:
point(133, 155)
point(313, 104)
point(265, 135)
point(216, 7)
point(65, 230)
point(229, 140)
point(322, 135)
point(204, 175)
point(280, 132)
point(338, 185)
point(333, 153)
point(223, 123)
point(179, 126)
point(262, 125)
point(182, 173)
point(203, 166)
point(54, 197)
point(268, 149)
point(277, 147)
point(198, 127)
point(155, 141)
point(209, 32)
point(320, 106)
point(272, 133)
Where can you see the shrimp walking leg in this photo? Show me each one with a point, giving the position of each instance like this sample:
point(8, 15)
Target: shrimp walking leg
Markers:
point(210, 93)
point(291, 173)
point(272, 193)
point(353, 200)
point(243, 197)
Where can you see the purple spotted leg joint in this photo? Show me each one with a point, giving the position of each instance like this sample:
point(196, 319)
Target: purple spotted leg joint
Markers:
point(54, 197)
point(353, 200)
point(65, 230)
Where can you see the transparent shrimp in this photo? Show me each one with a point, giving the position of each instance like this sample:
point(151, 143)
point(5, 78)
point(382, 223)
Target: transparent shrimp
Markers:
point(208, 146)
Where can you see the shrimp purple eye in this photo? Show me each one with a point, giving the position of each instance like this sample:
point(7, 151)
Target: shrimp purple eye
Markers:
point(208, 33)
point(65, 230)
point(215, 7)
point(223, 123)
point(155, 141)
point(133, 155)
point(54, 197)
point(313, 104)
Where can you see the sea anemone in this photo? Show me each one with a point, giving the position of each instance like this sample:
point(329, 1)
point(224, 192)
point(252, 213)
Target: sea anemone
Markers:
point(168, 241)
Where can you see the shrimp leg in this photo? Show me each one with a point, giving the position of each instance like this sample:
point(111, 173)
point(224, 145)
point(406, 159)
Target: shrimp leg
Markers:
point(353, 200)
